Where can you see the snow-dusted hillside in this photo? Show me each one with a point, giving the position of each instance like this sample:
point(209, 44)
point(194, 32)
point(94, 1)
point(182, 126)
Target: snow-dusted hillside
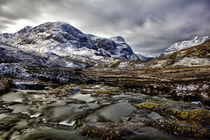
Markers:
point(184, 45)
point(11, 54)
point(114, 47)
point(190, 57)
point(63, 40)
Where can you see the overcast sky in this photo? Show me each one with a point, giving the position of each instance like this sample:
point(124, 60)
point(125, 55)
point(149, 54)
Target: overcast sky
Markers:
point(148, 26)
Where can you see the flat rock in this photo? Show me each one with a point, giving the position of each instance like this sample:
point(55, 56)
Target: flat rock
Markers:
point(113, 113)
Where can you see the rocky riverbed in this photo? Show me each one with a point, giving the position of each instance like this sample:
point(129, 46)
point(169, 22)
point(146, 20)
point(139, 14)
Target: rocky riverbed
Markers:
point(40, 110)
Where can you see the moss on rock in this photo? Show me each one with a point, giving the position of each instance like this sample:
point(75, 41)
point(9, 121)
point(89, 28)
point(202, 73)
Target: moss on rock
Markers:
point(180, 118)
point(101, 134)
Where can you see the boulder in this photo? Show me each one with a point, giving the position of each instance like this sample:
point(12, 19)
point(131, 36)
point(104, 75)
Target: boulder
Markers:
point(4, 86)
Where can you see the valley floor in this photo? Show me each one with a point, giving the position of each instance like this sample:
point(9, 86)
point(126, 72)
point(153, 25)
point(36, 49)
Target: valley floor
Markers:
point(105, 104)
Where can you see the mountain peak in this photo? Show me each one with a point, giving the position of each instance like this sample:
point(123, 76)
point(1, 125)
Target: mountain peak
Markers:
point(56, 24)
point(118, 38)
point(57, 27)
point(25, 30)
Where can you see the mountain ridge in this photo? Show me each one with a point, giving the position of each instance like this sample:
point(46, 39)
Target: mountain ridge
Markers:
point(197, 40)
point(63, 39)
point(190, 57)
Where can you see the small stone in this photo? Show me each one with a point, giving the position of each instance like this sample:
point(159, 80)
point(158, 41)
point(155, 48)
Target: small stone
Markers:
point(155, 116)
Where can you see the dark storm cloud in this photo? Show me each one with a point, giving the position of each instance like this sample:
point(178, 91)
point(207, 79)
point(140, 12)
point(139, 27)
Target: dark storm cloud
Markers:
point(148, 26)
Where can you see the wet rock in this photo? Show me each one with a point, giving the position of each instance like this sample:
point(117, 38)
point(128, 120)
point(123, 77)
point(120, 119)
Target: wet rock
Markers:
point(11, 125)
point(83, 97)
point(128, 130)
point(181, 110)
point(113, 113)
point(8, 121)
point(4, 108)
point(18, 97)
point(52, 134)
point(110, 134)
point(109, 130)
point(60, 112)
point(76, 101)
point(180, 118)
point(76, 90)
point(67, 113)
point(149, 133)
point(183, 128)
point(19, 108)
point(154, 116)
point(5, 85)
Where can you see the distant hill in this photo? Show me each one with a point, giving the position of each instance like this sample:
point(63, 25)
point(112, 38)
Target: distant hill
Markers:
point(184, 45)
point(195, 56)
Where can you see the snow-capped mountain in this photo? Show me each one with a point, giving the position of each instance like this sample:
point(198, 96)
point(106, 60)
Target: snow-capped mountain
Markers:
point(191, 57)
point(63, 40)
point(184, 45)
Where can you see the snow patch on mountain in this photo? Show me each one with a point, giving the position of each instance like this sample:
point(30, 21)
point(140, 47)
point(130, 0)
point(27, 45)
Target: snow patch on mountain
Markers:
point(184, 45)
point(192, 61)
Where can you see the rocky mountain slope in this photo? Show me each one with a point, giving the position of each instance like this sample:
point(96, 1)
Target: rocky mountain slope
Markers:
point(11, 54)
point(60, 41)
point(184, 45)
point(145, 58)
point(190, 57)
